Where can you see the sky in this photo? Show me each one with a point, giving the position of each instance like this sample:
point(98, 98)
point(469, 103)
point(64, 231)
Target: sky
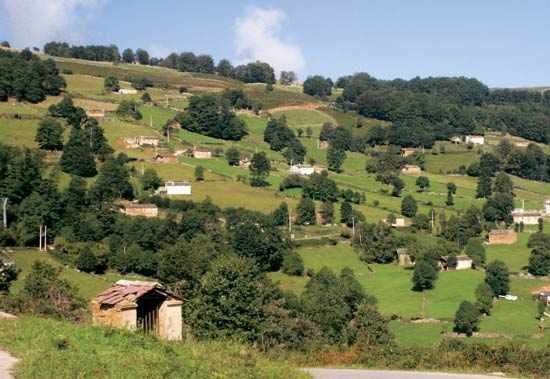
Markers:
point(503, 43)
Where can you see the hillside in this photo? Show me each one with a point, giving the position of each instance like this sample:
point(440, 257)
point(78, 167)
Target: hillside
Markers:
point(436, 225)
point(51, 349)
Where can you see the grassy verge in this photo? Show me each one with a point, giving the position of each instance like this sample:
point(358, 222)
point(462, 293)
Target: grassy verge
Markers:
point(50, 349)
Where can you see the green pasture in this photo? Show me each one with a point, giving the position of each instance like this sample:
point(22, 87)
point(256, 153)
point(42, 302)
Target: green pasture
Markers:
point(18, 132)
point(302, 118)
point(516, 255)
point(156, 116)
point(515, 317)
point(89, 285)
point(229, 193)
point(18, 108)
point(419, 334)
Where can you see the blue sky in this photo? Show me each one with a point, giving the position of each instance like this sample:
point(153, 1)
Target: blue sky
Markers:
point(503, 43)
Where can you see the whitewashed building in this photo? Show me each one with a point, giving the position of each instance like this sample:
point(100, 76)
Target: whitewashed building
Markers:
point(178, 188)
point(476, 140)
point(127, 91)
point(302, 169)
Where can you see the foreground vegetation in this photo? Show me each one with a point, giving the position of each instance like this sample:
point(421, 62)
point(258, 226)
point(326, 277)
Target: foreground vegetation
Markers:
point(52, 349)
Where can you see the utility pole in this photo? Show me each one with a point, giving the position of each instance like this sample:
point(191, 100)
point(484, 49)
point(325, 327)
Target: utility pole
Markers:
point(289, 223)
point(43, 238)
point(151, 121)
point(353, 225)
point(432, 220)
point(5, 206)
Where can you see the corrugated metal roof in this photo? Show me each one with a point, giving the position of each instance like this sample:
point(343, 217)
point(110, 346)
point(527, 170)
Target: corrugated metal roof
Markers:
point(126, 290)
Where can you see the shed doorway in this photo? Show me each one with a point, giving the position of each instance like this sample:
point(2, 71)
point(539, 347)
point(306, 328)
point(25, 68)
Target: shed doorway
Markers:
point(148, 308)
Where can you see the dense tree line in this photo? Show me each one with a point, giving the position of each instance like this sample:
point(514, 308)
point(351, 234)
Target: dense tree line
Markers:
point(209, 115)
point(528, 163)
point(280, 137)
point(28, 78)
point(88, 52)
point(437, 108)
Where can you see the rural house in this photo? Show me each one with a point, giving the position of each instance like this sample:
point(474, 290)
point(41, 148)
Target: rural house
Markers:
point(403, 258)
point(201, 153)
point(140, 305)
point(127, 91)
point(95, 113)
point(543, 294)
point(323, 145)
point(474, 139)
point(503, 237)
point(5, 262)
point(178, 188)
point(463, 262)
point(147, 210)
point(302, 169)
point(147, 140)
point(407, 151)
point(166, 158)
point(527, 217)
point(521, 143)
point(411, 169)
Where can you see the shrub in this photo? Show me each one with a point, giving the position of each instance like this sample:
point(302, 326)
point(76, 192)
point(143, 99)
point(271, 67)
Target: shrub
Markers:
point(293, 264)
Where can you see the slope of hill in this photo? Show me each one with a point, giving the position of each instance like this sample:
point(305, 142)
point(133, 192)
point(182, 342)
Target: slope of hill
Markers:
point(53, 349)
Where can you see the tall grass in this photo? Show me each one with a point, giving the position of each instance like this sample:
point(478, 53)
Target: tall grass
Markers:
point(51, 349)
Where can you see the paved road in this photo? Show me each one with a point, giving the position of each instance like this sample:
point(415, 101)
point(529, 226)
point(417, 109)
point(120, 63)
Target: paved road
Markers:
point(325, 373)
point(6, 363)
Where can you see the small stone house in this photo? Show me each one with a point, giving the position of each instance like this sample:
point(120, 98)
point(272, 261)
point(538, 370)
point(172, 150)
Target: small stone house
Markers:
point(166, 158)
point(200, 153)
point(140, 305)
point(474, 139)
point(244, 163)
point(527, 217)
point(146, 210)
point(324, 145)
point(178, 188)
point(147, 140)
point(503, 237)
point(127, 91)
point(403, 258)
point(407, 151)
point(463, 262)
point(411, 169)
point(95, 113)
point(521, 143)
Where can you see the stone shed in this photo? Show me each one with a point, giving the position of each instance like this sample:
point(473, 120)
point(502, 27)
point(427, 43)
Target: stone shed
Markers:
point(146, 210)
point(503, 237)
point(140, 305)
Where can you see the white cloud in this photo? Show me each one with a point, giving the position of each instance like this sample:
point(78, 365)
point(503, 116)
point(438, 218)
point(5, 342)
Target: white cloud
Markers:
point(34, 22)
point(158, 51)
point(257, 37)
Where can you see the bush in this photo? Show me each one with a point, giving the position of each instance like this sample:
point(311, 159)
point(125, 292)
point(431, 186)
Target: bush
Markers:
point(466, 318)
point(293, 264)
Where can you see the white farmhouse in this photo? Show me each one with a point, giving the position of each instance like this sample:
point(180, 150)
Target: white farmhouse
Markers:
point(178, 188)
point(127, 91)
point(302, 169)
point(476, 140)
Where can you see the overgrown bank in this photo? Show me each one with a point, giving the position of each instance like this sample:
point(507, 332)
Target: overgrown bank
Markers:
point(450, 355)
point(52, 349)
